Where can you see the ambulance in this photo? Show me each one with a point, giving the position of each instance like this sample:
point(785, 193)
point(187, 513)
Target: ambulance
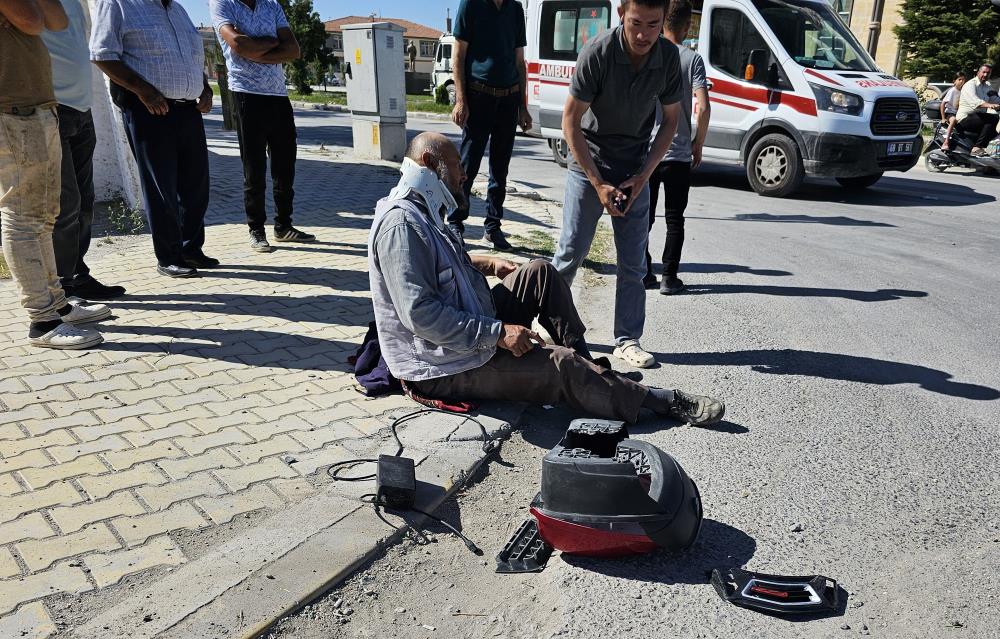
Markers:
point(793, 93)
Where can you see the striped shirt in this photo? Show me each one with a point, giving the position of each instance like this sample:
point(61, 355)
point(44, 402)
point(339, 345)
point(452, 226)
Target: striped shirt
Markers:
point(159, 43)
point(264, 20)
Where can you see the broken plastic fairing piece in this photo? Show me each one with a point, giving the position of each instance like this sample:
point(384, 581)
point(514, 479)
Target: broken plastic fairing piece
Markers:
point(525, 552)
point(777, 593)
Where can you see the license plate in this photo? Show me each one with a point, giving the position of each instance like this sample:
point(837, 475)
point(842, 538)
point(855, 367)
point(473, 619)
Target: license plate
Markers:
point(899, 148)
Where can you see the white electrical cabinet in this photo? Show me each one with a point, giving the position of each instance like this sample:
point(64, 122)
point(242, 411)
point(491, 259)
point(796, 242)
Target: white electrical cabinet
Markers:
point(376, 89)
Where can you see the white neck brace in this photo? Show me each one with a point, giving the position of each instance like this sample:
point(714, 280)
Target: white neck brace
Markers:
point(425, 183)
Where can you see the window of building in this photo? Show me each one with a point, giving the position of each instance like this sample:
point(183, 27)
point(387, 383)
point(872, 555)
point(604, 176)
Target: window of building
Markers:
point(427, 48)
point(568, 26)
point(337, 41)
point(844, 8)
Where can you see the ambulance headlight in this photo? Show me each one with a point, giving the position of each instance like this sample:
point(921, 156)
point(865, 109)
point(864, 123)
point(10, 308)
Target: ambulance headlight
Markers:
point(837, 101)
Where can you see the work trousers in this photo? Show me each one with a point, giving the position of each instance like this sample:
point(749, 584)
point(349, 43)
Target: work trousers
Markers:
point(265, 126)
point(492, 121)
point(546, 374)
point(582, 211)
point(71, 236)
point(172, 156)
point(675, 178)
point(30, 164)
point(983, 125)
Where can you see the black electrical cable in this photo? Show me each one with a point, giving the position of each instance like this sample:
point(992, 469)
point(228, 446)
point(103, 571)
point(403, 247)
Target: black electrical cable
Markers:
point(334, 470)
point(489, 445)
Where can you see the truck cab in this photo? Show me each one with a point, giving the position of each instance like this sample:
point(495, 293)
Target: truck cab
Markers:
point(442, 73)
point(793, 93)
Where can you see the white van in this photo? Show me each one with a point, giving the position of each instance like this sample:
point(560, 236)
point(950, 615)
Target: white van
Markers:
point(442, 73)
point(793, 93)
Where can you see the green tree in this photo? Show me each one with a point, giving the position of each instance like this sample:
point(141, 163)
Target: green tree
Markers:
point(938, 38)
point(311, 35)
point(319, 69)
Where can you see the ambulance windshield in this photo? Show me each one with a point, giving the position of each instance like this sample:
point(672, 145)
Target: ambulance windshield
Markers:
point(814, 36)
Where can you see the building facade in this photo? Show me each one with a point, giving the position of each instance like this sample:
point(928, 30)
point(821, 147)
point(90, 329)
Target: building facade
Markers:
point(872, 21)
point(423, 38)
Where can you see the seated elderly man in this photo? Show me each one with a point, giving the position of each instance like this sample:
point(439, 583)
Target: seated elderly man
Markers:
point(448, 336)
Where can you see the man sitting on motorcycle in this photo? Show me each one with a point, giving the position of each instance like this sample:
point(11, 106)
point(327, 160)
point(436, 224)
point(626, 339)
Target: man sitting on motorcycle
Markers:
point(976, 112)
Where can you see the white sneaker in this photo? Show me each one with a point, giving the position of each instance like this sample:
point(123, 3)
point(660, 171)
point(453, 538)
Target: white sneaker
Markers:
point(83, 312)
point(632, 352)
point(68, 337)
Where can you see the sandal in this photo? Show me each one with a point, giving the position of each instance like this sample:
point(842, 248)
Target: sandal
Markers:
point(632, 352)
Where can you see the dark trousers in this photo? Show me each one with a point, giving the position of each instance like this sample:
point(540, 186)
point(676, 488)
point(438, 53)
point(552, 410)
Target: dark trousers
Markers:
point(71, 235)
point(675, 178)
point(491, 120)
point(983, 123)
point(546, 374)
point(173, 170)
point(265, 126)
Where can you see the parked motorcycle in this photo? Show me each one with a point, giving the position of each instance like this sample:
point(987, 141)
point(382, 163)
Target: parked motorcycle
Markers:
point(959, 152)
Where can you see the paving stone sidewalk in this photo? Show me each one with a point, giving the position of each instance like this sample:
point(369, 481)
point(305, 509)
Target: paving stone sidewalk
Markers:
point(185, 417)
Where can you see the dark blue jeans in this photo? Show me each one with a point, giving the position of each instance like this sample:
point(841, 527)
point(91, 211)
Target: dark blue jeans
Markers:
point(491, 120)
point(71, 234)
point(173, 169)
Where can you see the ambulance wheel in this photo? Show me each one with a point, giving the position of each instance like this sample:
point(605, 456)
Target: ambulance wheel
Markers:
point(774, 167)
point(560, 152)
point(860, 182)
point(451, 94)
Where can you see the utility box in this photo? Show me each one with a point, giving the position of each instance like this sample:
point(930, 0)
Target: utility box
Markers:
point(376, 89)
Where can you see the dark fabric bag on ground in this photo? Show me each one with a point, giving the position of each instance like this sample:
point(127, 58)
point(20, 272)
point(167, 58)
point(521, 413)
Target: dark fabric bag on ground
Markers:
point(370, 368)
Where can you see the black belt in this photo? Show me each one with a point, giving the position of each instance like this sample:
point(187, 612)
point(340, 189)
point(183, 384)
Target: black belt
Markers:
point(171, 101)
point(479, 87)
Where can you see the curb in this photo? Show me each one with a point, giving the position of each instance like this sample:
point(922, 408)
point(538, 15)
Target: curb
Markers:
point(339, 108)
point(241, 588)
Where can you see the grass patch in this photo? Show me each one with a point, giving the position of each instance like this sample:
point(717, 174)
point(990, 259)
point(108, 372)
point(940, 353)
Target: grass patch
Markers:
point(4, 271)
point(600, 260)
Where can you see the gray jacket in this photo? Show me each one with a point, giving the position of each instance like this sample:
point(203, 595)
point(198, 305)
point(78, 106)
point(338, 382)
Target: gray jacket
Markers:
point(433, 309)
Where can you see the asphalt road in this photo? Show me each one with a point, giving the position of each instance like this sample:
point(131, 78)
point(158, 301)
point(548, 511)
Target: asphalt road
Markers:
point(854, 338)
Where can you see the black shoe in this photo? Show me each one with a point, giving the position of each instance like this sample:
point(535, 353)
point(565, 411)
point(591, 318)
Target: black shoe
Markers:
point(200, 261)
point(650, 282)
point(497, 238)
point(258, 241)
point(292, 234)
point(175, 270)
point(93, 290)
point(671, 285)
point(696, 410)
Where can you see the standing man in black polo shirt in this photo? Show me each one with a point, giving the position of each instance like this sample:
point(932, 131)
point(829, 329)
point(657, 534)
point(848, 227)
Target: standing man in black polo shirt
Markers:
point(622, 76)
point(490, 84)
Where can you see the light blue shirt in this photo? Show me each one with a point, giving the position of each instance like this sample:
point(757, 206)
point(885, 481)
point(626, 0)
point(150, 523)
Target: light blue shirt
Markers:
point(160, 44)
point(71, 67)
point(264, 20)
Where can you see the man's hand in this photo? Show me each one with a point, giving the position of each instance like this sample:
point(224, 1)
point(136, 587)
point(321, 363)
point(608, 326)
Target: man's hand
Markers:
point(607, 194)
point(518, 339)
point(524, 119)
point(502, 268)
point(460, 113)
point(154, 101)
point(695, 156)
point(205, 100)
point(633, 185)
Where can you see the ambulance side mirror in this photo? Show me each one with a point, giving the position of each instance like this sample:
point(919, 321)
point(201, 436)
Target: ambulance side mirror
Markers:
point(757, 70)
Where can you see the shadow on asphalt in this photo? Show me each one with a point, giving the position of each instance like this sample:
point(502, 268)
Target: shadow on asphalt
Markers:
point(718, 546)
point(850, 368)
point(833, 220)
point(244, 347)
point(731, 268)
point(880, 295)
point(889, 191)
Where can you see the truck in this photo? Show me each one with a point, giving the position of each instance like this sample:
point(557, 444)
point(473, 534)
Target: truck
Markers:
point(793, 92)
point(442, 73)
